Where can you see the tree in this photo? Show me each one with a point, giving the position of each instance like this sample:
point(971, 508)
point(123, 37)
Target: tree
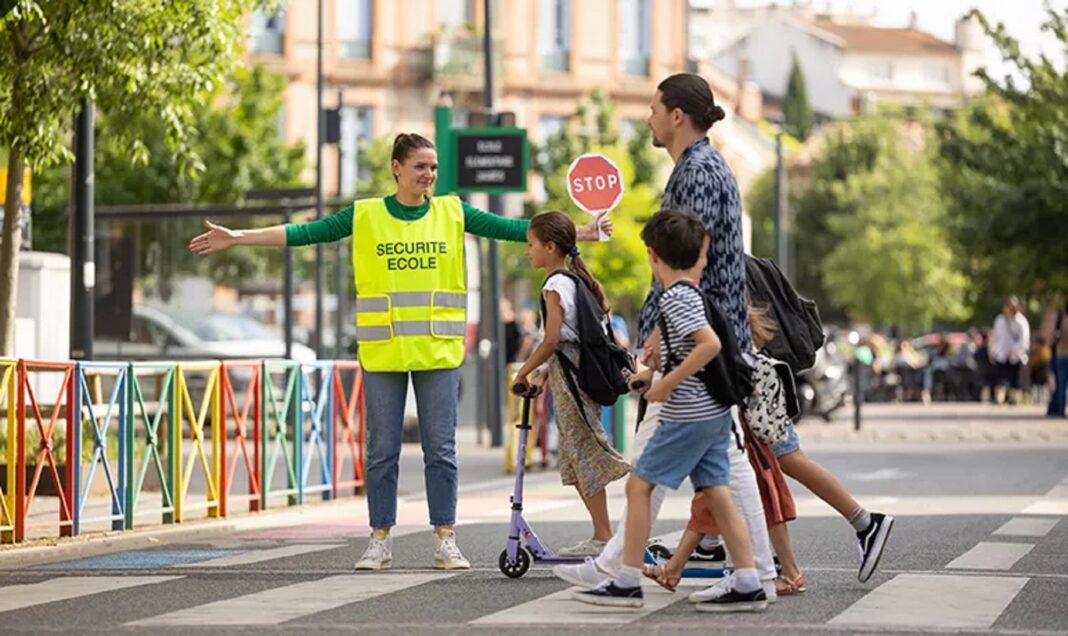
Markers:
point(796, 110)
point(1005, 174)
point(892, 262)
point(238, 147)
point(870, 233)
point(621, 263)
point(129, 58)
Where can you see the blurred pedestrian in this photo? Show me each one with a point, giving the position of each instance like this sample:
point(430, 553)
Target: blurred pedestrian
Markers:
point(1060, 363)
point(1009, 343)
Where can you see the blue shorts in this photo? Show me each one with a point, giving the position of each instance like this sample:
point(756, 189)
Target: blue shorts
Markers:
point(788, 445)
point(697, 450)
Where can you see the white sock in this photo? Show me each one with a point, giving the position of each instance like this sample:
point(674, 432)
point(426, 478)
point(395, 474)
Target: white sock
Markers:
point(709, 541)
point(860, 519)
point(629, 577)
point(746, 580)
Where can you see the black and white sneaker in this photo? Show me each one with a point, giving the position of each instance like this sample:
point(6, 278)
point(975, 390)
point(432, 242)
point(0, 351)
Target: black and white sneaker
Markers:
point(872, 540)
point(607, 594)
point(715, 557)
point(735, 601)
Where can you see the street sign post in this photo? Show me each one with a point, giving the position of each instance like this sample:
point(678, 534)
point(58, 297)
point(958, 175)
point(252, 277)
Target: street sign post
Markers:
point(595, 184)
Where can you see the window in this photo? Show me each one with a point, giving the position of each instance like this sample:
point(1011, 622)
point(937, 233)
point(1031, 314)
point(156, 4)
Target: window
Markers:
point(266, 31)
point(453, 14)
point(554, 33)
point(634, 25)
point(936, 73)
point(354, 29)
point(881, 70)
point(356, 129)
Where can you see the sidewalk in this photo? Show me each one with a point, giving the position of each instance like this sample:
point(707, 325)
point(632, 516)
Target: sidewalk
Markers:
point(964, 422)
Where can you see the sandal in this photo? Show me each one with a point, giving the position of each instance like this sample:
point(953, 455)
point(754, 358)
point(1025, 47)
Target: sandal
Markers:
point(659, 573)
point(786, 587)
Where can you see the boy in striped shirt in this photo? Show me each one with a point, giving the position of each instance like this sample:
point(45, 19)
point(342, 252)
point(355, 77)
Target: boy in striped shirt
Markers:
point(695, 430)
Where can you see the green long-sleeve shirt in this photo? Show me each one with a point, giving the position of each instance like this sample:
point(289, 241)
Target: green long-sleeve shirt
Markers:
point(339, 225)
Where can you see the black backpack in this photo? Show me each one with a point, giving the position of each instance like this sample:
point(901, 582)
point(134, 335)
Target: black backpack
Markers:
point(799, 331)
point(603, 365)
point(728, 378)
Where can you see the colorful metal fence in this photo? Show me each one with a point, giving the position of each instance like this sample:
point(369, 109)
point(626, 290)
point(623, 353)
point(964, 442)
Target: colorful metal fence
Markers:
point(188, 427)
point(8, 382)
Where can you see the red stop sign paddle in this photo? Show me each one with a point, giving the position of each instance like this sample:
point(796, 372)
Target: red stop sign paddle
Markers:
point(595, 184)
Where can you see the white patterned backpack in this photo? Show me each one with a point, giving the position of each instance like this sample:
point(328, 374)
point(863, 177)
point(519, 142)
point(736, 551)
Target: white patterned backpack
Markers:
point(765, 412)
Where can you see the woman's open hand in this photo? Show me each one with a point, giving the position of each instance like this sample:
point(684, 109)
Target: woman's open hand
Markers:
point(216, 239)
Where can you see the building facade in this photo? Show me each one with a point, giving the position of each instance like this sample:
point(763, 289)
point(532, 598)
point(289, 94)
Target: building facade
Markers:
point(852, 67)
point(387, 61)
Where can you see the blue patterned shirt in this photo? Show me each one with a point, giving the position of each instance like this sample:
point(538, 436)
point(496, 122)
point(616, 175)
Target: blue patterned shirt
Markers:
point(703, 183)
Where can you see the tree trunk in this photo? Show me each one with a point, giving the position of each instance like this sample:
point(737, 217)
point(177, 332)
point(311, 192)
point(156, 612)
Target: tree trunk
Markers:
point(10, 242)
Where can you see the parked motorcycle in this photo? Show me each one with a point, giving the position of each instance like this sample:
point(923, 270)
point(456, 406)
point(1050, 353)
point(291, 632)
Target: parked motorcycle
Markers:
point(824, 388)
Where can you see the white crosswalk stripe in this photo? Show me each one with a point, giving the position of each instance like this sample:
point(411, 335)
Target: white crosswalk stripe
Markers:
point(560, 609)
point(14, 597)
point(989, 555)
point(1027, 527)
point(934, 600)
point(280, 604)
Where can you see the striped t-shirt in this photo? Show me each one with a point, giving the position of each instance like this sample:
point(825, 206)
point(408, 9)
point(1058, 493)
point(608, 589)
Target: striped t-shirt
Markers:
point(683, 311)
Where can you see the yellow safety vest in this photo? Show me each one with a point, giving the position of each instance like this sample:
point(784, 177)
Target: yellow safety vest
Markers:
point(411, 286)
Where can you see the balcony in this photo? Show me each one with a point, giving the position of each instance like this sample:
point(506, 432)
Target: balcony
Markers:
point(457, 62)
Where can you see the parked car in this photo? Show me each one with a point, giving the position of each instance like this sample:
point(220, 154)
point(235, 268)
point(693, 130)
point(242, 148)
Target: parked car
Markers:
point(157, 335)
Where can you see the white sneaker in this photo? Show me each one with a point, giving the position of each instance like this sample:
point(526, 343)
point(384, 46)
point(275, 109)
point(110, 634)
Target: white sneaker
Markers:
point(378, 555)
point(447, 555)
point(589, 547)
point(585, 575)
point(725, 585)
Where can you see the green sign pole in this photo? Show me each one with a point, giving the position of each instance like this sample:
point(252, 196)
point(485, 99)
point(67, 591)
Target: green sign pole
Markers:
point(444, 140)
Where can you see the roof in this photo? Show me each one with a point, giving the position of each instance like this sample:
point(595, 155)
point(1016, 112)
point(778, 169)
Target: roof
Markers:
point(860, 37)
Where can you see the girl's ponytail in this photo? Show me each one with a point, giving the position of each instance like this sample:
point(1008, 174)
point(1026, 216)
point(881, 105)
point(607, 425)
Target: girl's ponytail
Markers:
point(578, 266)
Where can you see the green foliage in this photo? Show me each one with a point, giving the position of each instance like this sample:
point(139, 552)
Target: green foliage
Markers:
point(374, 160)
point(870, 239)
point(796, 110)
point(892, 263)
point(1004, 168)
point(238, 147)
point(620, 263)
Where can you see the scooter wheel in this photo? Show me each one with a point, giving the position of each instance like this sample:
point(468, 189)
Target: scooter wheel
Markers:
point(517, 568)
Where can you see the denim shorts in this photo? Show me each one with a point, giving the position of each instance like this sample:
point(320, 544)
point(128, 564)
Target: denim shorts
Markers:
point(788, 445)
point(697, 450)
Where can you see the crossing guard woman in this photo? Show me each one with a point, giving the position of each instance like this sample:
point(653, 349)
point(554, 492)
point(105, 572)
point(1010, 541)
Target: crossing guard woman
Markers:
point(408, 259)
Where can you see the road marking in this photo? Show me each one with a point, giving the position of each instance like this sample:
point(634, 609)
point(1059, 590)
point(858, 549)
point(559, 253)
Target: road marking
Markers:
point(140, 560)
point(1027, 527)
point(280, 604)
point(883, 474)
point(258, 556)
point(938, 600)
point(15, 597)
point(988, 555)
point(559, 609)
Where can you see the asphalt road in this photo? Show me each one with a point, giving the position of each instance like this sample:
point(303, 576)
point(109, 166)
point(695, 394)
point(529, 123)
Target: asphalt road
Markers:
point(952, 564)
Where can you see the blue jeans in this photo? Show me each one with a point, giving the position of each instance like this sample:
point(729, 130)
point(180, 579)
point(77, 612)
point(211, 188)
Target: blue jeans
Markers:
point(436, 396)
point(1060, 390)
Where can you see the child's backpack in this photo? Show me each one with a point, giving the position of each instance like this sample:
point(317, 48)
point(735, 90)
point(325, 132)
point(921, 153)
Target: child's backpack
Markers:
point(766, 410)
point(799, 331)
point(728, 378)
point(603, 365)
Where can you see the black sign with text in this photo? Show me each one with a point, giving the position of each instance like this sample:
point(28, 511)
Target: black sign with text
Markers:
point(491, 160)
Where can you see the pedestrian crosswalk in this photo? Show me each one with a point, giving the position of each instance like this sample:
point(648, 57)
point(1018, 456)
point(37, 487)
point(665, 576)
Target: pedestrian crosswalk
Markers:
point(974, 590)
point(281, 604)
